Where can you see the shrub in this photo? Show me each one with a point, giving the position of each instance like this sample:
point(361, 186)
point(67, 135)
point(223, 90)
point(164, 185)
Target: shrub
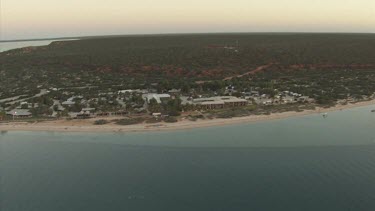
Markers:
point(153, 120)
point(131, 121)
point(170, 120)
point(101, 122)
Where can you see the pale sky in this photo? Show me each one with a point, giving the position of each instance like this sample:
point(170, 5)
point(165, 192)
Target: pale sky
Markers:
point(22, 19)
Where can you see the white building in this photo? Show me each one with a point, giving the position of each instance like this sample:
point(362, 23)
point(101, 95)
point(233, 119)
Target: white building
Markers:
point(158, 97)
point(24, 113)
point(220, 102)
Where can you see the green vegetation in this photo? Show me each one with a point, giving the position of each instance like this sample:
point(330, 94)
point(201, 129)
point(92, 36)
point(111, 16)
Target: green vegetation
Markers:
point(170, 120)
point(139, 61)
point(233, 112)
point(153, 120)
point(101, 122)
point(130, 121)
point(328, 68)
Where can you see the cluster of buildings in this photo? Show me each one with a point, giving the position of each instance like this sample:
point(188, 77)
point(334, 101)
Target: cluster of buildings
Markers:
point(285, 97)
point(123, 99)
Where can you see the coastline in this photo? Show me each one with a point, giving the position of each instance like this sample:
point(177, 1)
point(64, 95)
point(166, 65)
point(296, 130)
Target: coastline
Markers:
point(88, 126)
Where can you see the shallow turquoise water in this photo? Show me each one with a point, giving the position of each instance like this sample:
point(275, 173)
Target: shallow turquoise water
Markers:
point(302, 163)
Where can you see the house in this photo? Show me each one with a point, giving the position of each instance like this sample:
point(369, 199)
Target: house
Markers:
point(83, 115)
point(80, 115)
point(158, 97)
point(19, 113)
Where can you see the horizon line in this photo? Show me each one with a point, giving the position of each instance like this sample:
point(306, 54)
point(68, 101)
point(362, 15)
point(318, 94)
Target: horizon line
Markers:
point(168, 34)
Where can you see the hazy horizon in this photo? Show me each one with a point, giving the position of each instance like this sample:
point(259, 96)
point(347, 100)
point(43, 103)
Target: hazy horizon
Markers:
point(166, 34)
point(25, 19)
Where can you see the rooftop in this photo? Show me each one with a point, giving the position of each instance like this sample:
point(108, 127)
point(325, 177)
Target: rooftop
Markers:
point(157, 97)
point(19, 112)
point(218, 100)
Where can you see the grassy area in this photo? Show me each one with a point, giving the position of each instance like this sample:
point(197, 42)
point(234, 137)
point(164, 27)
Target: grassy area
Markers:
point(130, 121)
point(170, 119)
point(258, 110)
point(101, 122)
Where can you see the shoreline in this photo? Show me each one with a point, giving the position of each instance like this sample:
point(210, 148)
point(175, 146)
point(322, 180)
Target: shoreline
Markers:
point(88, 126)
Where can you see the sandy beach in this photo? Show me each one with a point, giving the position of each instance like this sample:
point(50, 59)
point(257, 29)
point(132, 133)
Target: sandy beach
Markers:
point(88, 126)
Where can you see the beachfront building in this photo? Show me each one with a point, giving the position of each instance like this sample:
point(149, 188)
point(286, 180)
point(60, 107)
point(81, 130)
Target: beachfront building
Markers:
point(219, 102)
point(19, 113)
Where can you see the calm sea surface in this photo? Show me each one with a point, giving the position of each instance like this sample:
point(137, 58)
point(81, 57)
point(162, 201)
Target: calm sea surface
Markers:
point(302, 164)
point(5, 46)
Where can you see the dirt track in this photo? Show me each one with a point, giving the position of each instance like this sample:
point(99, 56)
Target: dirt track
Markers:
point(258, 69)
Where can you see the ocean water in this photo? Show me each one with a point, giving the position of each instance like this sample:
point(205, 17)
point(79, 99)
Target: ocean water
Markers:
point(302, 163)
point(5, 46)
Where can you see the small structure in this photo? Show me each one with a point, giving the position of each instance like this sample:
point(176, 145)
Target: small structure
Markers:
point(19, 113)
point(156, 115)
point(159, 115)
point(83, 115)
